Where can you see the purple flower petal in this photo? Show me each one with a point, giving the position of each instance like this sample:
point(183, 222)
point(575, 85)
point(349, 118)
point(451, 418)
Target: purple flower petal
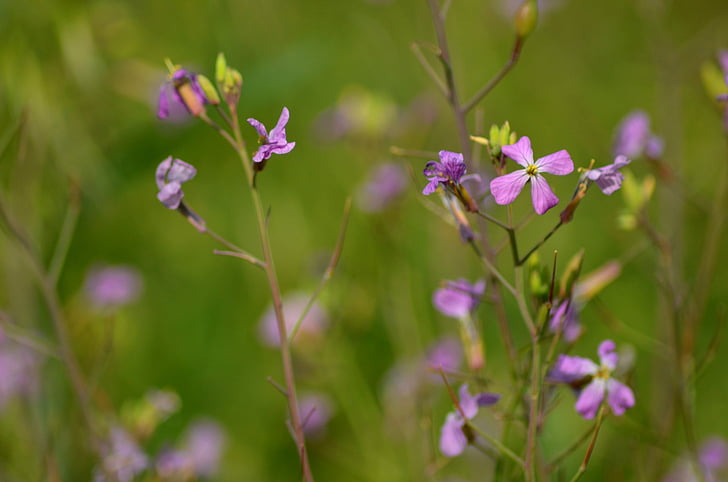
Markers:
point(505, 189)
point(520, 152)
point(542, 196)
point(458, 298)
point(171, 195)
point(619, 396)
point(569, 369)
point(161, 172)
point(558, 163)
point(714, 452)
point(452, 438)
point(258, 127)
point(468, 403)
point(163, 103)
point(632, 134)
point(607, 356)
point(279, 131)
point(180, 171)
point(486, 399)
point(591, 398)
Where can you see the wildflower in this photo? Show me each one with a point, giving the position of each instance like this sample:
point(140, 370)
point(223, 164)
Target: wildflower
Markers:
point(171, 174)
point(446, 354)
point(112, 286)
point(199, 455)
point(506, 188)
point(448, 172)
point(593, 382)
point(458, 299)
point(634, 138)
point(123, 459)
point(713, 458)
point(184, 90)
point(18, 370)
point(275, 142)
point(313, 324)
point(385, 184)
point(608, 178)
point(456, 435)
point(565, 318)
point(316, 411)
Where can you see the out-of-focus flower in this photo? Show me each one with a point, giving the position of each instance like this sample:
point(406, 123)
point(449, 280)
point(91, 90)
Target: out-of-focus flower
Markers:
point(171, 174)
point(565, 317)
point(316, 410)
point(506, 188)
point(312, 326)
point(111, 286)
point(446, 354)
point(199, 455)
point(359, 112)
point(275, 142)
point(385, 184)
point(608, 178)
point(123, 460)
point(634, 139)
point(182, 89)
point(18, 370)
point(713, 457)
point(593, 382)
point(458, 299)
point(456, 435)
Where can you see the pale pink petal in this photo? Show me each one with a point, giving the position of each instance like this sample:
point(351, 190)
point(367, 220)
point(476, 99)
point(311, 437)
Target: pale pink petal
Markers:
point(258, 127)
point(468, 403)
point(591, 398)
point(520, 152)
point(280, 127)
point(452, 438)
point(558, 163)
point(619, 396)
point(505, 189)
point(607, 356)
point(542, 196)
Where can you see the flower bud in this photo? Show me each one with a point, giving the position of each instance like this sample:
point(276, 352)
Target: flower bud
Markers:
point(526, 17)
point(220, 69)
point(209, 90)
point(573, 268)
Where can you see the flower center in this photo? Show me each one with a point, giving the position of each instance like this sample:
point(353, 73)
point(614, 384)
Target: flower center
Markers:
point(532, 170)
point(603, 373)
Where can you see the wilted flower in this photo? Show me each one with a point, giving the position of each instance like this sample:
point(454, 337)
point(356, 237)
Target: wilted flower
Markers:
point(456, 435)
point(506, 188)
point(385, 184)
point(459, 298)
point(18, 370)
point(713, 457)
point(608, 178)
point(171, 174)
point(634, 138)
point(110, 286)
point(184, 90)
point(313, 324)
point(123, 459)
point(316, 410)
point(593, 382)
point(275, 142)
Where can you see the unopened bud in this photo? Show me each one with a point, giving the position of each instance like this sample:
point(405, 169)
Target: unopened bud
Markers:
point(209, 90)
point(573, 268)
point(220, 68)
point(526, 17)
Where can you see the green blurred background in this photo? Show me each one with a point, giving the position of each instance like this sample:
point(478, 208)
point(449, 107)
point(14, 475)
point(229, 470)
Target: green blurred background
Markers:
point(82, 78)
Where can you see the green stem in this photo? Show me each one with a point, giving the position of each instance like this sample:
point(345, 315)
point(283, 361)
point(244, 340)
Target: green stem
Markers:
point(515, 54)
point(539, 244)
point(590, 449)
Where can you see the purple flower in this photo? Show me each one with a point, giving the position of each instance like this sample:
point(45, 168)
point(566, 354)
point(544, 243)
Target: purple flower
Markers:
point(506, 188)
point(171, 174)
point(112, 286)
point(608, 178)
point(593, 382)
point(18, 370)
point(316, 411)
point(385, 184)
point(204, 444)
point(565, 317)
point(446, 354)
point(713, 457)
point(123, 459)
point(458, 299)
point(455, 435)
point(275, 142)
point(184, 90)
point(312, 326)
point(634, 138)
point(448, 171)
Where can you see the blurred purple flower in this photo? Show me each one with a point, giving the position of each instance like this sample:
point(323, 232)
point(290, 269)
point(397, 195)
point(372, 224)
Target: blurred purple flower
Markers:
point(593, 382)
point(123, 460)
point(455, 435)
point(448, 171)
point(316, 410)
point(634, 138)
point(275, 142)
point(565, 317)
point(312, 326)
point(713, 456)
point(204, 444)
point(609, 178)
point(446, 354)
point(111, 286)
point(506, 188)
point(458, 299)
point(171, 174)
point(184, 90)
point(18, 370)
point(385, 184)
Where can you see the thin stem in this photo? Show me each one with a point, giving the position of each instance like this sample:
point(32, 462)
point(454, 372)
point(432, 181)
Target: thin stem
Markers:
point(533, 409)
point(401, 151)
point(428, 68)
point(539, 244)
point(20, 336)
point(492, 269)
point(246, 257)
point(571, 449)
point(498, 445)
point(590, 449)
point(515, 54)
point(239, 252)
point(64, 239)
point(335, 256)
